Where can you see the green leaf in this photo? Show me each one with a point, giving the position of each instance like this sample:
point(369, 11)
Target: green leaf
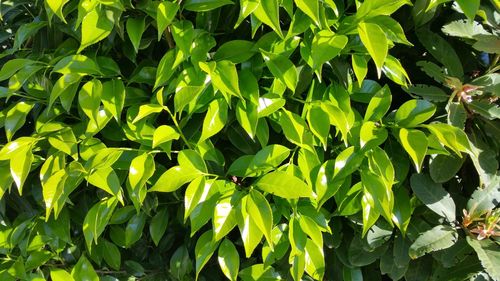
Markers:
point(97, 219)
point(433, 196)
point(380, 7)
point(438, 238)
point(268, 13)
point(146, 110)
point(247, 116)
point(163, 134)
point(247, 7)
point(76, 64)
point(56, 6)
point(89, 99)
point(167, 66)
point(12, 66)
point(191, 159)
point(205, 5)
point(402, 210)
point(60, 275)
point(414, 112)
point(262, 215)
point(83, 270)
point(450, 136)
point(394, 70)
point(65, 141)
point(141, 169)
point(484, 199)
point(215, 119)
point(488, 253)
point(325, 46)
point(372, 135)
point(259, 272)
point(442, 51)
point(319, 123)
point(295, 130)
point(311, 9)
point(442, 168)
point(269, 104)
point(315, 260)
point(198, 191)
point(229, 260)
point(282, 68)
point(96, 26)
point(158, 225)
point(360, 67)
point(135, 28)
point(20, 165)
point(107, 180)
point(415, 143)
point(25, 31)
point(204, 249)
point(113, 97)
point(235, 51)
point(284, 185)
point(469, 7)
point(375, 41)
point(224, 217)
point(165, 14)
point(16, 117)
point(112, 255)
point(380, 195)
point(174, 178)
point(135, 226)
point(250, 232)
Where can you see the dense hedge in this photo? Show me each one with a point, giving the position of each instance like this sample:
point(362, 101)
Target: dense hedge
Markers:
point(249, 140)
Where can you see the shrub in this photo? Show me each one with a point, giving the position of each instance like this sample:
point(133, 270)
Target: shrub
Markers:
point(249, 140)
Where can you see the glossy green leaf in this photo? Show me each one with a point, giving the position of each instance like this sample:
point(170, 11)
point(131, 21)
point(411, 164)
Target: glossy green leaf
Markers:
point(134, 228)
point(204, 249)
point(20, 165)
point(284, 185)
point(375, 41)
point(250, 232)
point(135, 28)
point(113, 97)
point(60, 275)
point(112, 255)
point(470, 8)
point(360, 67)
point(229, 260)
point(236, 51)
point(76, 64)
point(415, 143)
point(107, 180)
point(165, 14)
point(205, 5)
point(96, 26)
point(224, 217)
point(282, 68)
point(163, 134)
point(295, 130)
point(56, 7)
point(451, 137)
point(83, 270)
point(325, 46)
point(25, 31)
point(16, 117)
point(215, 119)
point(167, 66)
point(141, 169)
point(315, 260)
point(158, 225)
point(442, 168)
point(414, 112)
point(268, 13)
point(174, 178)
point(97, 219)
point(311, 9)
point(262, 215)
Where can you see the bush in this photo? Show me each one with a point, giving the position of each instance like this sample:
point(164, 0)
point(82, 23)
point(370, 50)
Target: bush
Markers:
point(249, 140)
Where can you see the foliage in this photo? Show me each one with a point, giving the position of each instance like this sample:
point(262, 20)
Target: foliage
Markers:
point(249, 140)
